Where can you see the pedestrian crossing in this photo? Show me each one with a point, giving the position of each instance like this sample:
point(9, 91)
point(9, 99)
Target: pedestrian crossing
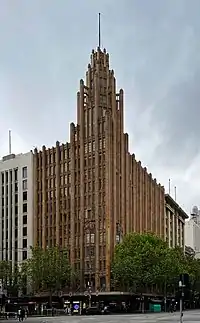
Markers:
point(190, 317)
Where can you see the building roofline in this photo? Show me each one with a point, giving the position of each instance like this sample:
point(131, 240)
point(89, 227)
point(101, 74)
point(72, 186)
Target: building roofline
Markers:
point(173, 203)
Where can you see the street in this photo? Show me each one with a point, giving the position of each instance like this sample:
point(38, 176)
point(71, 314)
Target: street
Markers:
point(190, 317)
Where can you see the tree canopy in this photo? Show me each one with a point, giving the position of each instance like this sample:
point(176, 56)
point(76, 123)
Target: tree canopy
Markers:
point(145, 259)
point(10, 277)
point(49, 269)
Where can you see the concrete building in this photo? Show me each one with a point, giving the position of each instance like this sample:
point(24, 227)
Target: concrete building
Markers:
point(16, 207)
point(174, 223)
point(192, 231)
point(91, 191)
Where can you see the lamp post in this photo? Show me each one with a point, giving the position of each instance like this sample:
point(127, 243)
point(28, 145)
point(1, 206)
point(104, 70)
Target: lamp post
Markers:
point(183, 283)
point(181, 286)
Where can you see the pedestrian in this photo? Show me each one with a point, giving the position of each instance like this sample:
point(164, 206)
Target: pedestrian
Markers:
point(23, 314)
point(19, 314)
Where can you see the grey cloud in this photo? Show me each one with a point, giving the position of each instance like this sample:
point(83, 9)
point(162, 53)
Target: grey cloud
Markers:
point(154, 46)
point(180, 115)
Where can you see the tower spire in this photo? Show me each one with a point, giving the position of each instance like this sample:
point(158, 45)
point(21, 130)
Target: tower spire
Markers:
point(99, 30)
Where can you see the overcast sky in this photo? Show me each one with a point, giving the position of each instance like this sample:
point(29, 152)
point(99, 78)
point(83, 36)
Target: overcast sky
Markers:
point(154, 47)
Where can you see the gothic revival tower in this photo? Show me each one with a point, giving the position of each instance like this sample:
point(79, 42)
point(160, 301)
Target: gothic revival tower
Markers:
point(92, 191)
point(100, 119)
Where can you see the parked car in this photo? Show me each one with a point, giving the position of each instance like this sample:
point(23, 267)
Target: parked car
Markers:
point(93, 310)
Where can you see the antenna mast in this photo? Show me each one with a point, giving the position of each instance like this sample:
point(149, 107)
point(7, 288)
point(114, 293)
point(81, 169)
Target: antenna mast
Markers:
point(169, 186)
point(9, 140)
point(99, 30)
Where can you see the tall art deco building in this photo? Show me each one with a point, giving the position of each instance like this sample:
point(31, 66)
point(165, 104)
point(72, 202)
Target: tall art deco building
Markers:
point(92, 191)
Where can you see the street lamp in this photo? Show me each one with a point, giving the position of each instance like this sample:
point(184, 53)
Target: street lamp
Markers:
point(183, 282)
point(181, 286)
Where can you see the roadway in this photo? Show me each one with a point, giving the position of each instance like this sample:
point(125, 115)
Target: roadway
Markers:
point(189, 317)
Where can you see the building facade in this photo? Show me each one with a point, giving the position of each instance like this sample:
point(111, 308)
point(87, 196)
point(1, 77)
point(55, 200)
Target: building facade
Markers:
point(192, 232)
point(16, 207)
point(174, 223)
point(91, 191)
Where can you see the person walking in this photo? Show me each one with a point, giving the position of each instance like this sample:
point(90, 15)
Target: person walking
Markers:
point(19, 314)
point(22, 314)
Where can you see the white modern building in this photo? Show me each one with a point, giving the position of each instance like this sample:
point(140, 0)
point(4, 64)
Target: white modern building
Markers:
point(192, 231)
point(16, 207)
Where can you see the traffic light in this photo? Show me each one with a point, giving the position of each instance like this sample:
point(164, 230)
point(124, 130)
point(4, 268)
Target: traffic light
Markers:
point(185, 279)
point(185, 291)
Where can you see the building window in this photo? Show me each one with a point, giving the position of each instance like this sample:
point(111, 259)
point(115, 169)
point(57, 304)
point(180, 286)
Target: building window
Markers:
point(92, 238)
point(25, 208)
point(93, 146)
point(88, 238)
point(24, 172)
point(24, 231)
point(24, 184)
point(24, 219)
point(104, 143)
point(24, 243)
point(92, 252)
point(16, 198)
point(16, 174)
point(24, 196)
point(6, 177)
point(24, 255)
point(90, 147)
point(16, 210)
point(2, 178)
point(16, 187)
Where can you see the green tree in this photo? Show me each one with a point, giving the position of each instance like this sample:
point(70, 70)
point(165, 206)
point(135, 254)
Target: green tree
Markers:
point(172, 264)
point(23, 276)
point(9, 276)
point(143, 260)
point(49, 269)
point(193, 265)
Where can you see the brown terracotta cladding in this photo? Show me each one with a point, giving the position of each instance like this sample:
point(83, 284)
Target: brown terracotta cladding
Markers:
point(89, 190)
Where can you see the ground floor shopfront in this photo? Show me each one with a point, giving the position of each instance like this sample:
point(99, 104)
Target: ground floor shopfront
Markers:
point(118, 302)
